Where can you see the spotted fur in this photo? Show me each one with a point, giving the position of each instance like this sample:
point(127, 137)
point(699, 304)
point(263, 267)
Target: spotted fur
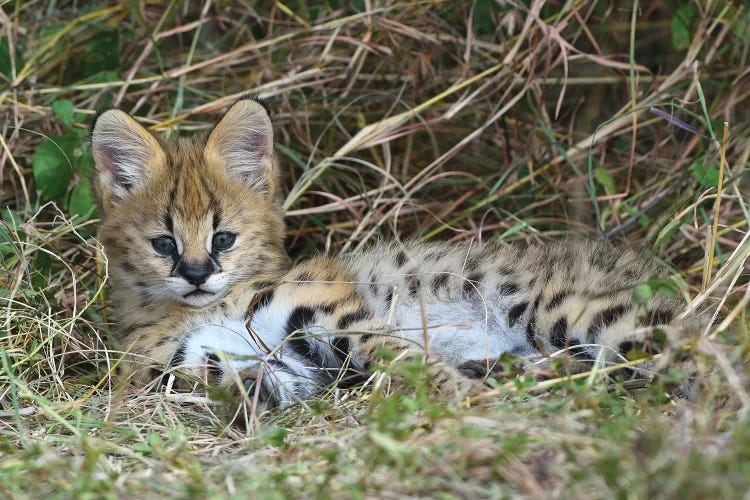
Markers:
point(242, 317)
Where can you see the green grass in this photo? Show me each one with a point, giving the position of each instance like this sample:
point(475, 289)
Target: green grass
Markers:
point(439, 120)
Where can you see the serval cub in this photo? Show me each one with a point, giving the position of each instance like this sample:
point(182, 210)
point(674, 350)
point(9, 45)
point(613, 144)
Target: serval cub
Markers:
point(194, 233)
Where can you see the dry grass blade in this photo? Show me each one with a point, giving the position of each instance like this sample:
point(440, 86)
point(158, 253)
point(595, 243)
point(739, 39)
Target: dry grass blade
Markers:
point(429, 119)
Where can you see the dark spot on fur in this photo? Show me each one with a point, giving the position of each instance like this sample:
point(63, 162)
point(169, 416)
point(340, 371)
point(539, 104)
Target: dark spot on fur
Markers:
point(508, 289)
point(574, 351)
point(179, 356)
point(127, 267)
point(516, 312)
point(531, 332)
point(350, 318)
point(559, 335)
point(547, 275)
point(168, 223)
point(147, 324)
point(389, 298)
point(435, 254)
point(412, 283)
point(400, 258)
point(476, 369)
point(471, 284)
point(162, 341)
point(373, 283)
point(173, 191)
point(300, 318)
point(471, 263)
point(262, 301)
point(277, 364)
point(349, 373)
point(365, 337)
point(440, 281)
point(604, 319)
point(341, 347)
point(605, 258)
point(558, 299)
point(632, 274)
point(505, 270)
point(305, 276)
point(213, 364)
point(536, 302)
point(331, 275)
point(660, 317)
point(331, 307)
point(531, 325)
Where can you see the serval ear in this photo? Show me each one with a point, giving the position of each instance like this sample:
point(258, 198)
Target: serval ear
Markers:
point(242, 142)
point(125, 154)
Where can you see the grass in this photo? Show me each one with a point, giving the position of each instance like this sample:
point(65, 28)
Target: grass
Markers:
point(434, 119)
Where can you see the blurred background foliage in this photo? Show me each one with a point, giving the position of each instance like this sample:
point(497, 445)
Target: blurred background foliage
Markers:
point(435, 119)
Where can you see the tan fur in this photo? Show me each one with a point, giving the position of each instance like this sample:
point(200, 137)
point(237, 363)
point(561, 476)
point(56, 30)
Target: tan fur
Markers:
point(332, 314)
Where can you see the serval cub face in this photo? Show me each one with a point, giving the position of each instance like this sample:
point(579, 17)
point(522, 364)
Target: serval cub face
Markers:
point(184, 220)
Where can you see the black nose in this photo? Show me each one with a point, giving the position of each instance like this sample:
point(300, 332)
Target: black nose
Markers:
point(195, 274)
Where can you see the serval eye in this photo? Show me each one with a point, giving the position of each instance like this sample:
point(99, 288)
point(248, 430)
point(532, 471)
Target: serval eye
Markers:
point(223, 240)
point(164, 245)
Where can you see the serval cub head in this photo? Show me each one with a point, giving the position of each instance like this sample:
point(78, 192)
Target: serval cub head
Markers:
point(183, 220)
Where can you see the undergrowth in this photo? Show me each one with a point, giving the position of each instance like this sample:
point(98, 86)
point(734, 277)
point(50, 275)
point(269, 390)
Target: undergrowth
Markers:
point(442, 120)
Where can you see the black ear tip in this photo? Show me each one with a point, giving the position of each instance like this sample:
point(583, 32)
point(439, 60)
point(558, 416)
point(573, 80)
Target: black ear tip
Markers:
point(255, 97)
point(99, 112)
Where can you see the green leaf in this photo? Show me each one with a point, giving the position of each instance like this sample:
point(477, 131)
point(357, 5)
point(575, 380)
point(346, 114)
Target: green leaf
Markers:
point(660, 338)
point(635, 354)
point(5, 66)
point(603, 178)
point(7, 244)
point(642, 293)
point(275, 436)
point(741, 27)
point(104, 77)
point(101, 53)
point(513, 230)
point(63, 111)
point(154, 439)
point(82, 201)
point(681, 26)
point(51, 165)
point(706, 175)
point(84, 161)
point(13, 218)
point(14, 223)
point(664, 286)
point(486, 14)
point(142, 448)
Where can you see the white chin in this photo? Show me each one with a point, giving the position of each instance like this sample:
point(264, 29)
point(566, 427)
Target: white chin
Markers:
point(200, 299)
